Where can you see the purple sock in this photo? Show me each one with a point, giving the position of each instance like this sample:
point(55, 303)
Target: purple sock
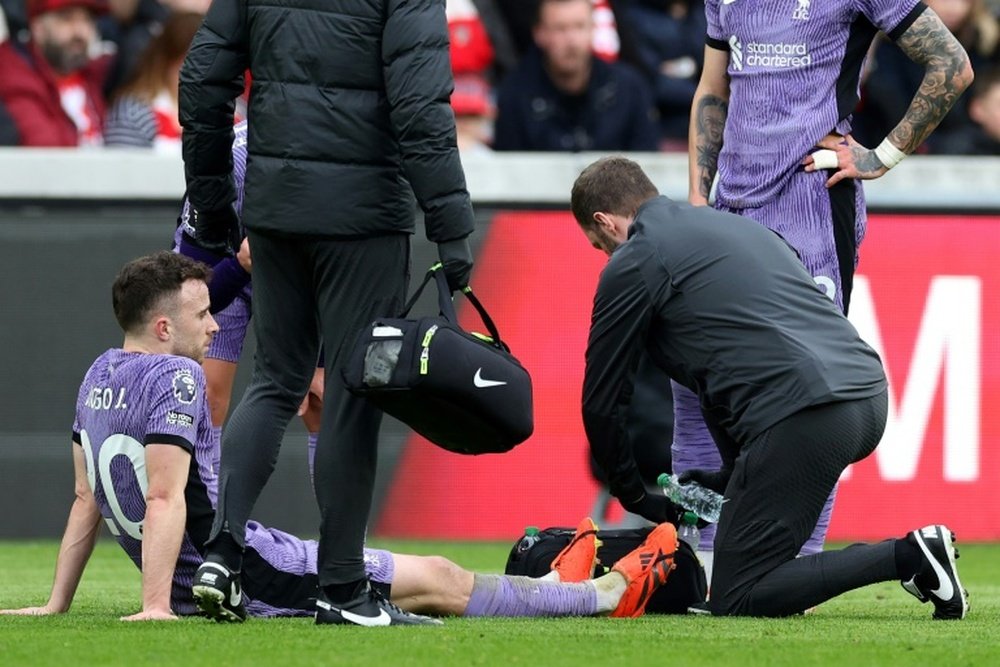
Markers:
point(311, 452)
point(503, 595)
point(694, 448)
point(815, 542)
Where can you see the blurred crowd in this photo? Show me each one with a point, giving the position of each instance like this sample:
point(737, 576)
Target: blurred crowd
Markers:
point(530, 75)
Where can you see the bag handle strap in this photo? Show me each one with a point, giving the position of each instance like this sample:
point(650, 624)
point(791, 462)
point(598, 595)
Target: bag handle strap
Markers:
point(447, 307)
point(487, 320)
point(420, 290)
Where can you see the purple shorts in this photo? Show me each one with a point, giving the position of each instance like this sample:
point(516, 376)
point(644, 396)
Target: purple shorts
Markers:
point(825, 226)
point(227, 345)
point(287, 566)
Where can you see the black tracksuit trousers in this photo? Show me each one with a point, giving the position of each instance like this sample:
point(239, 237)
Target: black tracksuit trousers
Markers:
point(309, 291)
point(779, 484)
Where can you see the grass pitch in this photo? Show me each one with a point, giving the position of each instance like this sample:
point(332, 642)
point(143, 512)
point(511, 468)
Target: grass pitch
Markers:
point(878, 625)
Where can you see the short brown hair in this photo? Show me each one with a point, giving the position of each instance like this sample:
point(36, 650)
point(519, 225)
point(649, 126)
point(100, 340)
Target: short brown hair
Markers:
point(143, 282)
point(540, 6)
point(613, 184)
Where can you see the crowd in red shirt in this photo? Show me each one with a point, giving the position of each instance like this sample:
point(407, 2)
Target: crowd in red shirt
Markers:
point(86, 73)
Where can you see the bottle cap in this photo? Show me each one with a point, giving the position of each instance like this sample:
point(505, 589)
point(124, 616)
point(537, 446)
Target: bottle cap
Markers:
point(689, 519)
point(663, 479)
point(531, 531)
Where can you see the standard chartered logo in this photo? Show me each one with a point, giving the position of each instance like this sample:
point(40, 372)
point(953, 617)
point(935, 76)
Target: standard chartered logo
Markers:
point(772, 55)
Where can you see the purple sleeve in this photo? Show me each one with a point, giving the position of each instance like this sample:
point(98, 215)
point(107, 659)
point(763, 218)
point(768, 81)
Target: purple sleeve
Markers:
point(228, 280)
point(76, 414)
point(188, 249)
point(892, 17)
point(176, 404)
point(714, 33)
point(228, 277)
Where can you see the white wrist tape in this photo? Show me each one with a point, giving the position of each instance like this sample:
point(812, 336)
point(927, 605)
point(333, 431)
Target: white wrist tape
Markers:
point(888, 154)
point(825, 158)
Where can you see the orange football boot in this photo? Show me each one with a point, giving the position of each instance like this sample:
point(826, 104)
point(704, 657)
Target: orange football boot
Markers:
point(577, 561)
point(646, 569)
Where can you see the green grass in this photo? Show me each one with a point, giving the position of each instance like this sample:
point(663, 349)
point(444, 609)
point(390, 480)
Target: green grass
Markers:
point(878, 625)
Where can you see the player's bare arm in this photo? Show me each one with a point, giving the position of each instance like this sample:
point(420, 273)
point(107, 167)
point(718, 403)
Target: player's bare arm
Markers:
point(82, 529)
point(947, 73)
point(709, 110)
point(167, 468)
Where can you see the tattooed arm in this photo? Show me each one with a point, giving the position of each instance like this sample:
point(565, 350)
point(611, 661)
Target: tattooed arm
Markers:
point(947, 73)
point(709, 110)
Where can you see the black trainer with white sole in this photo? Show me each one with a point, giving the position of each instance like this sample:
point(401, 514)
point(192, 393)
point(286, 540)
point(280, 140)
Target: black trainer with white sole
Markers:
point(218, 593)
point(369, 608)
point(937, 581)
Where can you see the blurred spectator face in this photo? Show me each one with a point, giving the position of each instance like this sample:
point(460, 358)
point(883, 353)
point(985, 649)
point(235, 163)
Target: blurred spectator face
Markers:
point(985, 110)
point(64, 37)
point(187, 6)
point(953, 13)
point(565, 32)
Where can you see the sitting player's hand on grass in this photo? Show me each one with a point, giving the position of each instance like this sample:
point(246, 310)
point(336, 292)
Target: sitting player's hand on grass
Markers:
point(153, 615)
point(47, 610)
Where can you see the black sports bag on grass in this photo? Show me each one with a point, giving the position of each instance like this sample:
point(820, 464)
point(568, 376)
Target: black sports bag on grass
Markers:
point(463, 391)
point(685, 586)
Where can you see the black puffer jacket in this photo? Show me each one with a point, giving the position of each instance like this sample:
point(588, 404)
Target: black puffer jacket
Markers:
point(349, 110)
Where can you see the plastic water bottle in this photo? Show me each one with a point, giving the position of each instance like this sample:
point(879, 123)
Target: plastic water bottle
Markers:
point(707, 504)
point(689, 530)
point(529, 540)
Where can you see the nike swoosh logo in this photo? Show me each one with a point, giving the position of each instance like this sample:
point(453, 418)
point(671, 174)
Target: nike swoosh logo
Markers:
point(371, 621)
point(235, 593)
point(235, 596)
point(728, 2)
point(480, 382)
point(945, 590)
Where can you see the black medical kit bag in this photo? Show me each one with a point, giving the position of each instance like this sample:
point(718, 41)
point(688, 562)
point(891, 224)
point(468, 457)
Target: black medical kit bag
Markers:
point(532, 556)
point(463, 391)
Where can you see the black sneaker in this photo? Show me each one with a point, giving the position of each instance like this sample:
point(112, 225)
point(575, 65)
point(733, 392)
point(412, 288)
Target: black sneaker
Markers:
point(937, 579)
point(218, 594)
point(699, 609)
point(367, 608)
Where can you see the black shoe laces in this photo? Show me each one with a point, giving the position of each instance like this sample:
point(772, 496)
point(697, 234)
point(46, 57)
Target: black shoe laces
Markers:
point(381, 600)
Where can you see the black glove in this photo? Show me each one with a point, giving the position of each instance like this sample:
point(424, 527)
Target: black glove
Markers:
point(216, 231)
point(716, 480)
point(655, 507)
point(456, 261)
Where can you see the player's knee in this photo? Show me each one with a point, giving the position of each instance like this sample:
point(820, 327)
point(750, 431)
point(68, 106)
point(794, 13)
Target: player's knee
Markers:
point(445, 570)
point(453, 583)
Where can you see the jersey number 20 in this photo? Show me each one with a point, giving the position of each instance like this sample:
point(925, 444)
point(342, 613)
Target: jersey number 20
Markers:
point(115, 445)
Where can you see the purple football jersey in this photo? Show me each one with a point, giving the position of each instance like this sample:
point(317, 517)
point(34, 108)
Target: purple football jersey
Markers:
point(127, 401)
point(794, 68)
